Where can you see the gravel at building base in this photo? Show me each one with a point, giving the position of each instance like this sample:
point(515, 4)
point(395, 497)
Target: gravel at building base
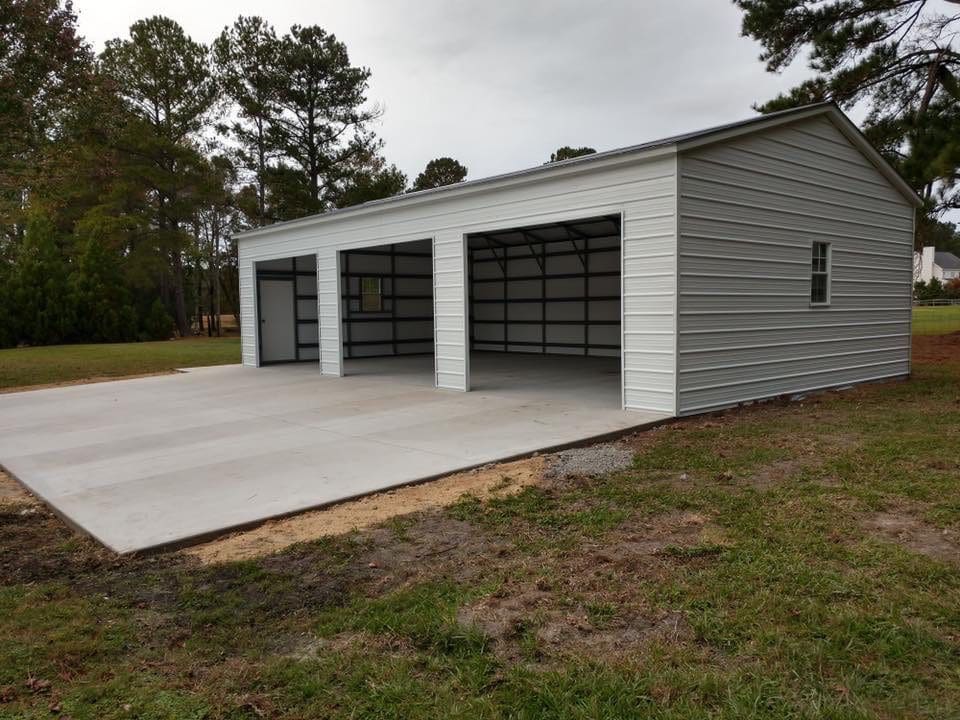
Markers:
point(589, 461)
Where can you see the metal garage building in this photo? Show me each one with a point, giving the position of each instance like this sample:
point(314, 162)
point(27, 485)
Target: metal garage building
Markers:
point(745, 261)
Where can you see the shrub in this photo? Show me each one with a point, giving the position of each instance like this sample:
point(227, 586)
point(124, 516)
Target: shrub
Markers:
point(158, 325)
point(932, 290)
point(952, 288)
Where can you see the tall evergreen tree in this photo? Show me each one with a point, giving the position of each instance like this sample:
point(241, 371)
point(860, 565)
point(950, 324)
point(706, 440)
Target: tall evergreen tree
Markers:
point(44, 66)
point(898, 57)
point(247, 56)
point(166, 81)
point(98, 293)
point(130, 199)
point(214, 223)
point(41, 299)
point(321, 128)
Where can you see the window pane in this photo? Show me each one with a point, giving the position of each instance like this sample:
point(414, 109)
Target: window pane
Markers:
point(818, 289)
point(819, 273)
point(371, 298)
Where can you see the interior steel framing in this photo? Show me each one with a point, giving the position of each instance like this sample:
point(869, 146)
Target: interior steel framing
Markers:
point(579, 241)
point(350, 317)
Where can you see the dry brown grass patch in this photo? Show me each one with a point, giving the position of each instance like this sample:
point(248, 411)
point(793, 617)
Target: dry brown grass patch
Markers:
point(13, 493)
point(490, 481)
point(902, 525)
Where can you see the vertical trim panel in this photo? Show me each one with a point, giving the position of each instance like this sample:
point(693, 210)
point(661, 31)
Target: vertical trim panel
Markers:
point(649, 294)
point(249, 338)
point(328, 312)
point(623, 325)
point(676, 286)
point(450, 320)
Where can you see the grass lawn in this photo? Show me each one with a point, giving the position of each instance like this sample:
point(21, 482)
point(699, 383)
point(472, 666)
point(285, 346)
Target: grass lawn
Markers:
point(936, 320)
point(22, 367)
point(781, 561)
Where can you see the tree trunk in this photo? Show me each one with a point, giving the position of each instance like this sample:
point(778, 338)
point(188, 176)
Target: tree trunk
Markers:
point(179, 297)
point(261, 174)
point(215, 280)
point(199, 306)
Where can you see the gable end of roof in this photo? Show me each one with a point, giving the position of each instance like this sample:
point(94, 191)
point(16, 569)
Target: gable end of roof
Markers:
point(784, 117)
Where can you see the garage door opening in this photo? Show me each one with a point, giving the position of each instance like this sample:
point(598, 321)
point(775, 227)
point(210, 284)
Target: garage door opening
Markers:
point(287, 310)
point(545, 308)
point(387, 309)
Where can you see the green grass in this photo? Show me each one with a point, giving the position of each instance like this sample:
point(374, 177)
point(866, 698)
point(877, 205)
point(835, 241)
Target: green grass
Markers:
point(782, 603)
point(936, 320)
point(23, 367)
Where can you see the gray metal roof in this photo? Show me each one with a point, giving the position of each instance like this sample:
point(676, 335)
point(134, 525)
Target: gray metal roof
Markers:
point(947, 260)
point(696, 135)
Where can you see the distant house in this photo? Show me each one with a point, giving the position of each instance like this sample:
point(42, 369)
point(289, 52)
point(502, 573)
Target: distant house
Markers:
point(931, 264)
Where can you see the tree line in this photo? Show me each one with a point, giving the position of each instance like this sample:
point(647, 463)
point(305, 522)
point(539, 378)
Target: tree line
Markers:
point(124, 174)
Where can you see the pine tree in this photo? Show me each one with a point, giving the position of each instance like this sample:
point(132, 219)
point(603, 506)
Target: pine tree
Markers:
point(372, 183)
point(41, 308)
point(439, 172)
point(900, 60)
point(566, 153)
point(104, 312)
point(247, 56)
point(44, 64)
point(321, 130)
point(166, 81)
point(8, 331)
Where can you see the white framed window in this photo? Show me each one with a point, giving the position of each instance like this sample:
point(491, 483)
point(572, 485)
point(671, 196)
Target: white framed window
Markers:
point(371, 294)
point(820, 274)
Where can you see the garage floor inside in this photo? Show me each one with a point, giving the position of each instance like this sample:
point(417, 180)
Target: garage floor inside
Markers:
point(148, 462)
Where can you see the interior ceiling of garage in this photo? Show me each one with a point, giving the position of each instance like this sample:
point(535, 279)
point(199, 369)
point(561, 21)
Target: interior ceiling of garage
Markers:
point(574, 230)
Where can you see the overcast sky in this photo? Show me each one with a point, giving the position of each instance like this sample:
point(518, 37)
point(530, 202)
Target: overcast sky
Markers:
point(500, 84)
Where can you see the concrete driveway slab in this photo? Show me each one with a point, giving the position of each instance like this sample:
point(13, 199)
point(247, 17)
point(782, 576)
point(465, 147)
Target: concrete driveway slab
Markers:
point(152, 461)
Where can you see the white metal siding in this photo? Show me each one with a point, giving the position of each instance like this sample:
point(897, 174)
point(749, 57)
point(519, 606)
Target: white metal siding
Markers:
point(328, 310)
point(452, 356)
point(248, 299)
point(649, 278)
point(642, 189)
point(750, 210)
